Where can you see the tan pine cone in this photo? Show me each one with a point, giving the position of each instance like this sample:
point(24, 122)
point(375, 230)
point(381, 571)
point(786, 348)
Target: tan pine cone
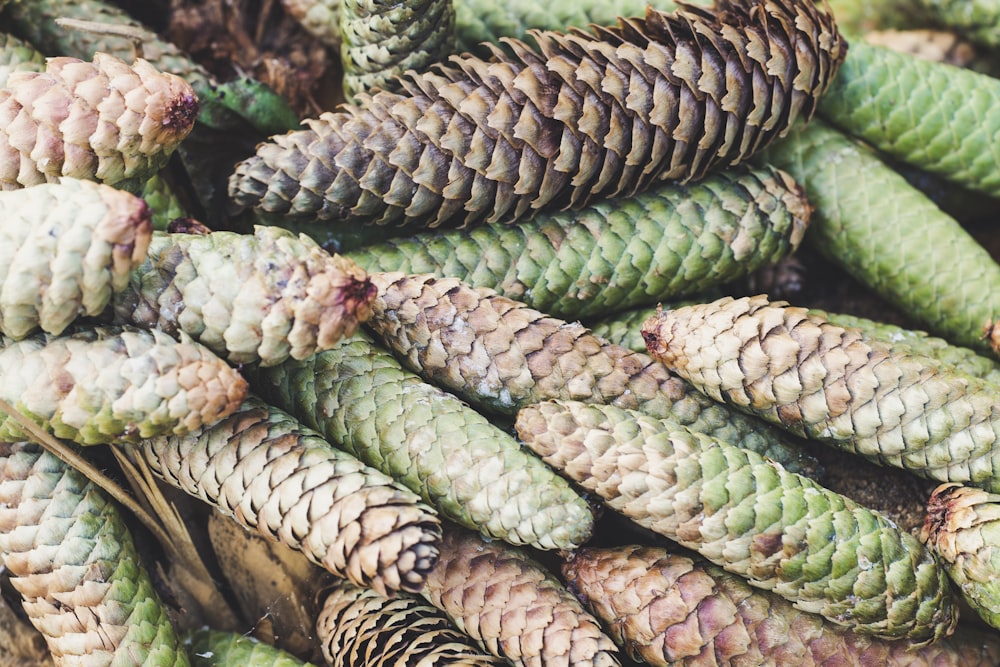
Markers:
point(104, 120)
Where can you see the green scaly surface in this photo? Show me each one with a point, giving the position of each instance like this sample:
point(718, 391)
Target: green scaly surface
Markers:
point(361, 399)
point(940, 118)
point(673, 241)
point(16, 55)
point(881, 230)
point(979, 20)
point(64, 540)
point(214, 648)
point(781, 531)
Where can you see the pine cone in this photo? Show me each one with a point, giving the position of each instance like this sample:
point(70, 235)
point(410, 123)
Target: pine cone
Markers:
point(594, 115)
point(64, 247)
point(780, 531)
point(320, 18)
point(264, 297)
point(500, 355)
point(963, 528)
point(106, 385)
point(16, 55)
point(382, 40)
point(73, 560)
point(667, 609)
point(513, 606)
point(214, 648)
point(357, 626)
point(829, 383)
point(104, 121)
point(283, 480)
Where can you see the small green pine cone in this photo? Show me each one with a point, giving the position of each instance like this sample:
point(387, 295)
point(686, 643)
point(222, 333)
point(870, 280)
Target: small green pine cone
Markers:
point(515, 608)
point(284, 481)
point(381, 40)
point(963, 528)
point(64, 247)
point(669, 610)
point(869, 220)
point(72, 558)
point(829, 383)
point(934, 116)
point(781, 531)
point(357, 626)
point(17, 55)
point(500, 355)
point(672, 241)
point(215, 648)
point(362, 400)
point(108, 385)
point(262, 297)
point(106, 121)
point(163, 201)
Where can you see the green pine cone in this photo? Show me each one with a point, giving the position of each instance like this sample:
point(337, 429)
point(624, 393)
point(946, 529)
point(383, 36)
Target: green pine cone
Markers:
point(671, 241)
point(362, 400)
point(163, 202)
point(215, 648)
point(249, 298)
point(17, 55)
point(978, 20)
point(963, 528)
point(876, 226)
point(109, 385)
point(940, 118)
point(381, 40)
point(64, 248)
point(831, 384)
point(781, 531)
point(72, 558)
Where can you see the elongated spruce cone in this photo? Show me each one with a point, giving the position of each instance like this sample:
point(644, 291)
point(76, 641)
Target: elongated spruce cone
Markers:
point(283, 480)
point(106, 121)
point(72, 558)
point(830, 383)
point(667, 609)
point(589, 115)
point(215, 648)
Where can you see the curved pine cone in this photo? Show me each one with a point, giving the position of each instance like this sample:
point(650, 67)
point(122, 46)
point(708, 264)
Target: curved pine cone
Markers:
point(588, 115)
point(106, 121)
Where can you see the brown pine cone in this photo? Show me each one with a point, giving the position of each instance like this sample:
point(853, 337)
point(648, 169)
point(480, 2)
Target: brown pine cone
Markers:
point(588, 115)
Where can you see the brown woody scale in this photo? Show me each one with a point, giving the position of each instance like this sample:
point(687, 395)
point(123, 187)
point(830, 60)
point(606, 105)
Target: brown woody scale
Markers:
point(588, 115)
point(104, 120)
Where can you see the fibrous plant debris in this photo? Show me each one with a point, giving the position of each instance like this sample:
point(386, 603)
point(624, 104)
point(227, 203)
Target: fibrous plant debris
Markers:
point(64, 248)
point(588, 115)
point(104, 120)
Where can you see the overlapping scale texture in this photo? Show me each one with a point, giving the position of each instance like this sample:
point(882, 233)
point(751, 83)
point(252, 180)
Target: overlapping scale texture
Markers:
point(64, 247)
point(781, 531)
point(72, 558)
point(283, 480)
point(829, 383)
point(106, 121)
point(586, 116)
